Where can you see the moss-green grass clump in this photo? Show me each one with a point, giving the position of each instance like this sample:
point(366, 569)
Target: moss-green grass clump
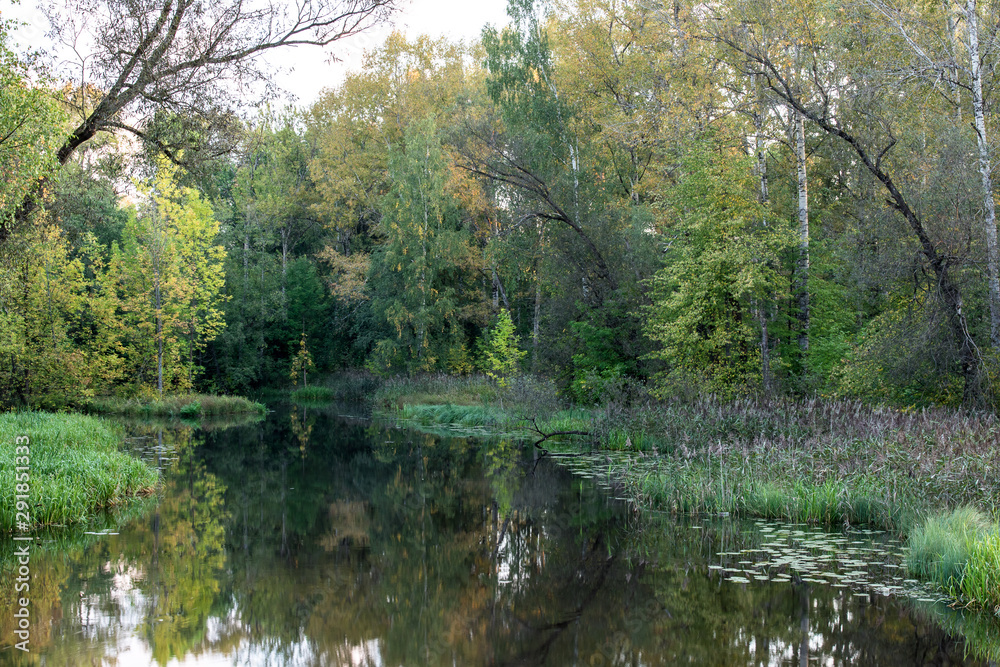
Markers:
point(314, 395)
point(187, 406)
point(75, 468)
point(961, 552)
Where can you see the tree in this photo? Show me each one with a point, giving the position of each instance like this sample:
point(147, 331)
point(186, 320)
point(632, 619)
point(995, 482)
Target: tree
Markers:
point(30, 129)
point(180, 55)
point(301, 363)
point(59, 339)
point(718, 263)
point(533, 152)
point(501, 356)
point(168, 275)
point(419, 276)
point(842, 95)
point(273, 185)
point(944, 43)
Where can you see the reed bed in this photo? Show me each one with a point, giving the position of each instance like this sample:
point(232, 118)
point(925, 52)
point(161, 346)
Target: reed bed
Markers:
point(344, 387)
point(185, 406)
point(75, 468)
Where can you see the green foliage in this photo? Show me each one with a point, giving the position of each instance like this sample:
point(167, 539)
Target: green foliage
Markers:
point(500, 356)
point(192, 409)
point(878, 369)
point(600, 367)
point(720, 260)
point(418, 275)
point(168, 277)
point(76, 468)
point(830, 327)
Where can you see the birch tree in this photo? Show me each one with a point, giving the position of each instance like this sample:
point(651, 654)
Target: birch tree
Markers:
point(187, 56)
point(168, 276)
point(946, 50)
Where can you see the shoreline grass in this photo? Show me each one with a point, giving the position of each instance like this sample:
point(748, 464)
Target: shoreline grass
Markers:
point(76, 468)
point(184, 406)
point(834, 463)
point(343, 387)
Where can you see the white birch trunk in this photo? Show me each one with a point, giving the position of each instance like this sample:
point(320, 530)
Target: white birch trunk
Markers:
point(985, 169)
point(802, 279)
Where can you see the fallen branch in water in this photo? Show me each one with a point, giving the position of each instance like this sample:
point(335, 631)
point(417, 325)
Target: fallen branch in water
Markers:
point(546, 436)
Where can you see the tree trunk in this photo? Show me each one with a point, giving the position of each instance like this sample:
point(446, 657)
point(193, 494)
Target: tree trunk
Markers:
point(284, 269)
point(159, 329)
point(985, 169)
point(760, 308)
point(802, 268)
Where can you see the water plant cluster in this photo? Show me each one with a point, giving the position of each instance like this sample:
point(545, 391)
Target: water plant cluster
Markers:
point(346, 387)
point(863, 561)
point(76, 468)
point(187, 406)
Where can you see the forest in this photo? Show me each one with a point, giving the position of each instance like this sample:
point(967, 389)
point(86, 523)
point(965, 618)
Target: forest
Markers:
point(743, 197)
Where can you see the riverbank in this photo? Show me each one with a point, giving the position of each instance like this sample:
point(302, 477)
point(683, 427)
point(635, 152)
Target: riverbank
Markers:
point(74, 468)
point(344, 387)
point(834, 463)
point(186, 406)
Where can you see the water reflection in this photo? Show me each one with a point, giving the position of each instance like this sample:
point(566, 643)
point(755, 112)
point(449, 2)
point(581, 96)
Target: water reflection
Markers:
point(317, 539)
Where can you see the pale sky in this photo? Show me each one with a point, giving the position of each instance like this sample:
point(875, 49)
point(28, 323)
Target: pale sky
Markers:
point(312, 71)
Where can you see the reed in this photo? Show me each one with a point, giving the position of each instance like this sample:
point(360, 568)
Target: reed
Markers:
point(960, 551)
point(75, 468)
point(187, 406)
point(314, 395)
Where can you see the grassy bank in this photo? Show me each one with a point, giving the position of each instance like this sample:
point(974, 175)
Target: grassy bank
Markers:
point(834, 463)
point(75, 468)
point(347, 387)
point(186, 406)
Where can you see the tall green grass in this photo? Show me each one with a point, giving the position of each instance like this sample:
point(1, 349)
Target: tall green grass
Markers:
point(76, 468)
point(188, 406)
point(314, 395)
point(961, 552)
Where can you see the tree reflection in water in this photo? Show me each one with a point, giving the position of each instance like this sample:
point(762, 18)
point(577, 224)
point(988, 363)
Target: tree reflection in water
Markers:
point(316, 539)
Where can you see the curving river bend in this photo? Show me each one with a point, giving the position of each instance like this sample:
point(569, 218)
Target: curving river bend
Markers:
point(315, 538)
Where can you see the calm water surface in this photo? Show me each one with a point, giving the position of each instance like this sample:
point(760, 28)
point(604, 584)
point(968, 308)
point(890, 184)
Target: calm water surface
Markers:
point(319, 539)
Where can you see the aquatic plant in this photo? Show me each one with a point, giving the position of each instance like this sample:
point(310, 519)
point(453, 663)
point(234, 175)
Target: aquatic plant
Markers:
point(75, 468)
point(960, 551)
point(183, 405)
point(313, 394)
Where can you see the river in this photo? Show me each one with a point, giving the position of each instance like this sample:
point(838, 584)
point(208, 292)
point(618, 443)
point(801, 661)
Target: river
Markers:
point(318, 537)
